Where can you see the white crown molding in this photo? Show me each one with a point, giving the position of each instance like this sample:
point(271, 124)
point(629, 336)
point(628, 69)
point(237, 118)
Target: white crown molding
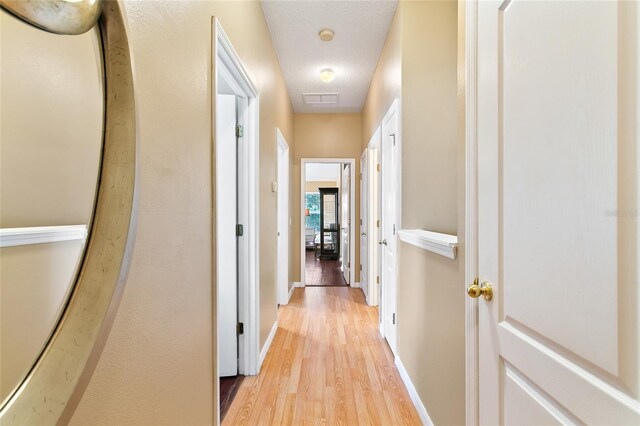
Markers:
point(443, 244)
point(12, 237)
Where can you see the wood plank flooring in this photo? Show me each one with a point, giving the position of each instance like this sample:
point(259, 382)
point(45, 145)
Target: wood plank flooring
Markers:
point(327, 365)
point(322, 272)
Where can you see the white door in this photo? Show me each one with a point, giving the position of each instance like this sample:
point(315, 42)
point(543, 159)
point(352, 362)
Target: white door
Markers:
point(364, 225)
point(389, 223)
point(283, 219)
point(345, 222)
point(226, 240)
point(557, 212)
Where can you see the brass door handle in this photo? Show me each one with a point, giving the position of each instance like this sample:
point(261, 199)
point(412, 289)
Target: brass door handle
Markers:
point(485, 289)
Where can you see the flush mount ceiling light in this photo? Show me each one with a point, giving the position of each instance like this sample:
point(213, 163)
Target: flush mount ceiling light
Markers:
point(326, 34)
point(327, 75)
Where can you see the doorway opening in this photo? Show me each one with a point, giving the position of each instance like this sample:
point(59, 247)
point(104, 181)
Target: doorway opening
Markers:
point(328, 225)
point(284, 220)
point(235, 121)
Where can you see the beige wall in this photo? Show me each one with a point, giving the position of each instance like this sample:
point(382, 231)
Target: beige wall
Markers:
point(157, 365)
point(418, 65)
point(49, 152)
point(386, 82)
point(326, 136)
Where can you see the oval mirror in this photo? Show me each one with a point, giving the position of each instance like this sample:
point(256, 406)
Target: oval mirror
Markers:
point(51, 134)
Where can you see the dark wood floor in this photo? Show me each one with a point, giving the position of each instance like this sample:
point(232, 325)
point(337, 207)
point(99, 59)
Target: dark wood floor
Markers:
point(228, 389)
point(324, 273)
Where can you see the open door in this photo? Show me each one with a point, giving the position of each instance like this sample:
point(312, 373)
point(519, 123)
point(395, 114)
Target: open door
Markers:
point(364, 225)
point(345, 224)
point(389, 222)
point(226, 243)
point(557, 189)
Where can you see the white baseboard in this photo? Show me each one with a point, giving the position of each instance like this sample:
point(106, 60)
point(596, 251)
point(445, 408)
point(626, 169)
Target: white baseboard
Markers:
point(356, 285)
point(422, 411)
point(298, 284)
point(293, 287)
point(267, 344)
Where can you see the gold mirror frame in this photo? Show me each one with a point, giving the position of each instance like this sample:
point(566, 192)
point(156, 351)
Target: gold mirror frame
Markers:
point(52, 389)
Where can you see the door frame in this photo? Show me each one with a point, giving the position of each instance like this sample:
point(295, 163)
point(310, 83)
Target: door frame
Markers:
point(373, 205)
point(364, 225)
point(468, 30)
point(282, 147)
point(394, 108)
point(226, 64)
point(349, 242)
point(352, 213)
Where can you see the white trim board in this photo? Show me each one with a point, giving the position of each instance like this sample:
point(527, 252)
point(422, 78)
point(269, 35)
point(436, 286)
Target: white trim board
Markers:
point(226, 65)
point(352, 200)
point(413, 393)
point(267, 343)
point(443, 244)
point(12, 237)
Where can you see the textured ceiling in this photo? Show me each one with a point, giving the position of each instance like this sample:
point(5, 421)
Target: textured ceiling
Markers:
point(360, 28)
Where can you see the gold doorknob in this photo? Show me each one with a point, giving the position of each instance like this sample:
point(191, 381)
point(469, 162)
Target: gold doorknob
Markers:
point(485, 289)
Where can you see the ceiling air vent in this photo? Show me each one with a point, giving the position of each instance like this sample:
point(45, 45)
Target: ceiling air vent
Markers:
point(320, 98)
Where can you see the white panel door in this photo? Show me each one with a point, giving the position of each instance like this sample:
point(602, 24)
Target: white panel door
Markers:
point(557, 212)
point(364, 225)
point(389, 219)
point(345, 222)
point(226, 240)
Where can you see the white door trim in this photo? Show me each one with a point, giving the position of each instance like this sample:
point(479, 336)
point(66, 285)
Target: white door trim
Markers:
point(227, 64)
point(303, 178)
point(394, 108)
point(283, 221)
point(374, 147)
point(471, 227)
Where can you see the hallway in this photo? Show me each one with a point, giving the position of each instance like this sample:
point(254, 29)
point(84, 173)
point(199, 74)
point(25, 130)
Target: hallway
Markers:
point(327, 364)
point(322, 273)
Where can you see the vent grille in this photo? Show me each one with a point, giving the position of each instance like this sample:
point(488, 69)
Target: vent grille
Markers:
point(320, 98)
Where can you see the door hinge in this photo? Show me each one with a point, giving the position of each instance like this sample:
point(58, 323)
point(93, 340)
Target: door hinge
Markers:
point(377, 280)
point(378, 167)
point(239, 131)
point(240, 328)
point(393, 135)
point(348, 265)
point(378, 223)
point(360, 268)
point(394, 318)
point(360, 222)
point(394, 229)
point(239, 230)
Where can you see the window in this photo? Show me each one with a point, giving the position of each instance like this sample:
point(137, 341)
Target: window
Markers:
point(312, 219)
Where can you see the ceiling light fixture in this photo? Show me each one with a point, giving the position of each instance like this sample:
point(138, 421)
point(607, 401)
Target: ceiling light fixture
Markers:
point(326, 34)
point(327, 75)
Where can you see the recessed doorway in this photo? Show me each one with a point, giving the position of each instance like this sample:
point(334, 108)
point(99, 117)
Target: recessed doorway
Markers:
point(328, 243)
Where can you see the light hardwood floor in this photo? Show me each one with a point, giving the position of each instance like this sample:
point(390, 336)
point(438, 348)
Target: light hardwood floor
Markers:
point(327, 365)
